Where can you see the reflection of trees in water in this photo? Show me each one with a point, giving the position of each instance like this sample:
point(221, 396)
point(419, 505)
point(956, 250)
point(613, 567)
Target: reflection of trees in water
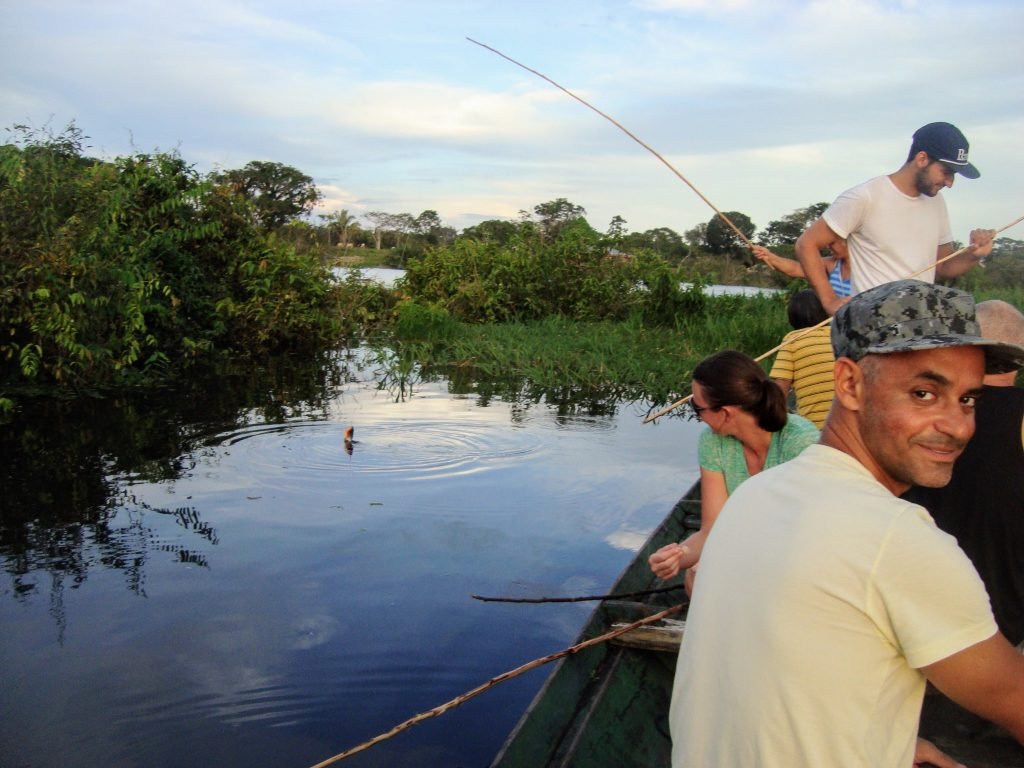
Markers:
point(67, 506)
point(400, 368)
point(61, 556)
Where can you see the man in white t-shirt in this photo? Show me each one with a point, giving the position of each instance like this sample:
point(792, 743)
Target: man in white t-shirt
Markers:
point(824, 601)
point(897, 226)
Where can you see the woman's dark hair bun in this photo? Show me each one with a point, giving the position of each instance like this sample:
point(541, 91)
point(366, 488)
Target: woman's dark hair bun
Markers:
point(734, 378)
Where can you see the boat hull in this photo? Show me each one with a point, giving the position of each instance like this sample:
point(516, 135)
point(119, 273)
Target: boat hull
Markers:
point(608, 704)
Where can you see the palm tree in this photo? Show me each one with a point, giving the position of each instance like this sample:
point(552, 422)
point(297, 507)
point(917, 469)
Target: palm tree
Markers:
point(338, 224)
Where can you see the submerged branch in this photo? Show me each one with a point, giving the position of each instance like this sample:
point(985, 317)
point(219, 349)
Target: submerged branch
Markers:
point(580, 599)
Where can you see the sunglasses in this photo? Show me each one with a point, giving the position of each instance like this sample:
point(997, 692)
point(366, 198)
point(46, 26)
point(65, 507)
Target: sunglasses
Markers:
point(699, 409)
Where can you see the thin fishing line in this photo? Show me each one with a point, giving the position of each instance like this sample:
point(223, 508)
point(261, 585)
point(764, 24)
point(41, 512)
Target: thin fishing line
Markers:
point(625, 130)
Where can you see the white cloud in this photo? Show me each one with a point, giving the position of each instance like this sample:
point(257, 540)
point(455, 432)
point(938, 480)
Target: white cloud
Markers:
point(764, 106)
point(337, 198)
point(704, 6)
point(441, 111)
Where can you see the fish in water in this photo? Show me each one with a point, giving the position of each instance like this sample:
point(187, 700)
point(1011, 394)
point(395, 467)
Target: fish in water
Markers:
point(349, 439)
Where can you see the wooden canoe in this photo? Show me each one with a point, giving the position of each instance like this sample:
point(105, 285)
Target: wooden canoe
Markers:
point(608, 704)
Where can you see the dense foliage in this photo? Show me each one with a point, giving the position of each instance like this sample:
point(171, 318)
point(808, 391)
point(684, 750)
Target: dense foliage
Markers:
point(1001, 273)
point(720, 237)
point(533, 272)
point(114, 272)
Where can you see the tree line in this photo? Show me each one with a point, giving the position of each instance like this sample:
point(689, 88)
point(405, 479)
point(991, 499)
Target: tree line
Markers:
point(125, 271)
point(712, 249)
point(283, 198)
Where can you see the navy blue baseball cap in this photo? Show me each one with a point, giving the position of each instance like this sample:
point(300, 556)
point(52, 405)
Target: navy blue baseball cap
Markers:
point(944, 142)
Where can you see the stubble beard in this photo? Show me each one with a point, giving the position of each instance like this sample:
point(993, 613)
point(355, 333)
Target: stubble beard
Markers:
point(938, 474)
point(909, 473)
point(923, 185)
point(900, 462)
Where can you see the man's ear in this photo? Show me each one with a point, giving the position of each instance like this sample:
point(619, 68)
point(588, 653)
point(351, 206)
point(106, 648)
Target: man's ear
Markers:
point(921, 159)
point(849, 384)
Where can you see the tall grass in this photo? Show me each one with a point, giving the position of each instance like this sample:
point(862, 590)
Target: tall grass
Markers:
point(605, 361)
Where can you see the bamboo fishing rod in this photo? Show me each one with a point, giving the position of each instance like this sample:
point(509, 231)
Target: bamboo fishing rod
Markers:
point(626, 131)
point(804, 331)
point(449, 705)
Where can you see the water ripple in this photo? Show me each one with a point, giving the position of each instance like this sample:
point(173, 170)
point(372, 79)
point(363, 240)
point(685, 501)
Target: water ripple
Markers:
point(413, 448)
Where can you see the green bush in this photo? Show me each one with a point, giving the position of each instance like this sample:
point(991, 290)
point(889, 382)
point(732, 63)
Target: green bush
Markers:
point(664, 300)
point(113, 272)
point(526, 277)
point(363, 305)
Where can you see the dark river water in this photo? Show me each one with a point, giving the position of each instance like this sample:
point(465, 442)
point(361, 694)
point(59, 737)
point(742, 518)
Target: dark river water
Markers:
point(210, 578)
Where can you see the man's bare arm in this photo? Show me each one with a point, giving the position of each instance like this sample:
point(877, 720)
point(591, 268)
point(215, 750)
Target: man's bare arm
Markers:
point(980, 247)
point(987, 679)
point(788, 267)
point(808, 252)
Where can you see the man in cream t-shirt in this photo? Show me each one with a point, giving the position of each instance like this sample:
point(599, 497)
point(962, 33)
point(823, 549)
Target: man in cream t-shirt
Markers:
point(824, 601)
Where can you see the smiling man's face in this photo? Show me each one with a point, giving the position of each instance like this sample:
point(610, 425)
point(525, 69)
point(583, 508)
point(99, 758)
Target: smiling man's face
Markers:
point(918, 413)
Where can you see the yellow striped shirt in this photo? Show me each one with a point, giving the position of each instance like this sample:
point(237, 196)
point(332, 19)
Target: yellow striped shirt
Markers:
point(807, 362)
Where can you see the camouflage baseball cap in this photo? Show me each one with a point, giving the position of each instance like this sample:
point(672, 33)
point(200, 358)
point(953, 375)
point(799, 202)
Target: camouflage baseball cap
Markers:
point(910, 315)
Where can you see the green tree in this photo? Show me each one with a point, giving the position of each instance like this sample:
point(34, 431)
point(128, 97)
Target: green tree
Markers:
point(379, 221)
point(432, 230)
point(402, 225)
point(617, 229)
point(1002, 270)
point(118, 272)
point(491, 231)
point(696, 236)
point(428, 222)
point(338, 226)
point(278, 192)
point(666, 242)
point(720, 238)
point(786, 230)
point(553, 216)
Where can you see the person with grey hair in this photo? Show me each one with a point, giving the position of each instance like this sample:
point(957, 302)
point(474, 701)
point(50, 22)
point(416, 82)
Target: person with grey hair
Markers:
point(826, 602)
point(983, 505)
point(897, 226)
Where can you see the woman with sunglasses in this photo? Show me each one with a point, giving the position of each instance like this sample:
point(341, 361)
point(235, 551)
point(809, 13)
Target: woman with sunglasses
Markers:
point(748, 430)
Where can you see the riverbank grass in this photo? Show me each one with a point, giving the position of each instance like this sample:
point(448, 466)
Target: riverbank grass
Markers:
point(629, 359)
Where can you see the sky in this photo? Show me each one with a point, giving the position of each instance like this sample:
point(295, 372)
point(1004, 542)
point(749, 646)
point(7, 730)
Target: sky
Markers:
point(763, 106)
